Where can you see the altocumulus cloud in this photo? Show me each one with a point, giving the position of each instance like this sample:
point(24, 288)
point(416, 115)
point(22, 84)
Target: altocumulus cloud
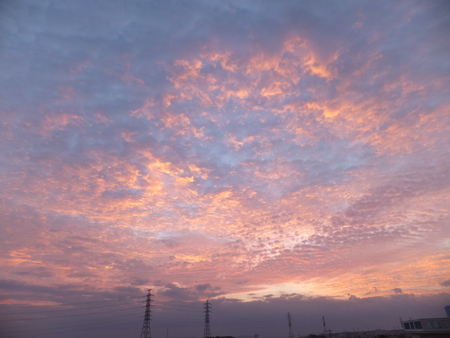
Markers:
point(271, 157)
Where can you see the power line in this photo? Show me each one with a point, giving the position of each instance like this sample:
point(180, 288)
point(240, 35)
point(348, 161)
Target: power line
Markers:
point(61, 330)
point(64, 310)
point(74, 304)
point(66, 326)
point(71, 315)
point(45, 321)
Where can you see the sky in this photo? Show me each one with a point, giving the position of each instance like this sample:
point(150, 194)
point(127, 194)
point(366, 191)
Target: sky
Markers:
point(271, 157)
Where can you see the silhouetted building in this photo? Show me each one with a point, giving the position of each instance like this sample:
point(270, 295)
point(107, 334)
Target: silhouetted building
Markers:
point(447, 310)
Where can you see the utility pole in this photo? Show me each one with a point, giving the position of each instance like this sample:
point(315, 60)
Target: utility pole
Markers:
point(291, 334)
point(207, 332)
point(145, 333)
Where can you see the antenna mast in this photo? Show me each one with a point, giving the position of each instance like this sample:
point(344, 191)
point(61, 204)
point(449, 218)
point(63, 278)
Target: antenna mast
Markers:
point(325, 328)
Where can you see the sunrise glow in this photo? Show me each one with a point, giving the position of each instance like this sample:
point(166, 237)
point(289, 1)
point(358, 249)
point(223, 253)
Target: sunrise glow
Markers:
point(237, 151)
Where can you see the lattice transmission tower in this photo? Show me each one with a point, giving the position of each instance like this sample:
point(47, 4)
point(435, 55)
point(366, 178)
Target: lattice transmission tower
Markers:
point(145, 333)
point(207, 331)
point(291, 334)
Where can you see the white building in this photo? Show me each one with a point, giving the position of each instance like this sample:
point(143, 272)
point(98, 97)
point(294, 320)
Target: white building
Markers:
point(427, 328)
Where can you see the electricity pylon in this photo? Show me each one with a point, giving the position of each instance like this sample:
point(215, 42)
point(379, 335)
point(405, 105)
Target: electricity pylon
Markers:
point(145, 333)
point(207, 332)
point(291, 334)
